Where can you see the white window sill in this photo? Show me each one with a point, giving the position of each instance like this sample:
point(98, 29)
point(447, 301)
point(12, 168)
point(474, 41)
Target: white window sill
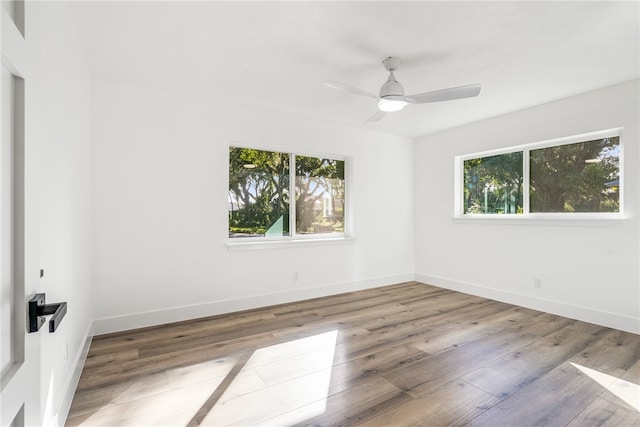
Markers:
point(251, 245)
point(554, 220)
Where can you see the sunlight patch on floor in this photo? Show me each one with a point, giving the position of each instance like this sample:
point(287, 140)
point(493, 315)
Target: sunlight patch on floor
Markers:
point(296, 375)
point(624, 390)
point(282, 384)
point(169, 398)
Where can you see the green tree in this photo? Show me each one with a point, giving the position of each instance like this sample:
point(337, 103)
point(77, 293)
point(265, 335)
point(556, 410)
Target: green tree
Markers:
point(576, 177)
point(258, 190)
point(315, 178)
point(493, 184)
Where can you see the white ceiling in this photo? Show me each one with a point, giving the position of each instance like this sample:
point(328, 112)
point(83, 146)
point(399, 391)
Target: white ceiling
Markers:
point(278, 54)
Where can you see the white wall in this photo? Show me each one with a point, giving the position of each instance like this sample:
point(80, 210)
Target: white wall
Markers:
point(58, 170)
point(588, 272)
point(126, 198)
point(160, 209)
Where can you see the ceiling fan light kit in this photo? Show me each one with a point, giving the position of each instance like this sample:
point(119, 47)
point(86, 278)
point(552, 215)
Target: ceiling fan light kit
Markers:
point(392, 98)
point(390, 105)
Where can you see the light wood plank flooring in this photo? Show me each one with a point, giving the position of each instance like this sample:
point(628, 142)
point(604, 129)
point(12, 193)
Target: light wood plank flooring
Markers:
point(407, 354)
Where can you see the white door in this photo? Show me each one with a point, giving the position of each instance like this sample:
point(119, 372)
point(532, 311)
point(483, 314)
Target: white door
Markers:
point(19, 350)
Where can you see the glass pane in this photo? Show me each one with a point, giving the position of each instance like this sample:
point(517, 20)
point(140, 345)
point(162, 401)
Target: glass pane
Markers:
point(493, 185)
point(581, 177)
point(258, 193)
point(319, 195)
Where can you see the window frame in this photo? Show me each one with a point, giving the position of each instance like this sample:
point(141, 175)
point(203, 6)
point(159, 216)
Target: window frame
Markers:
point(295, 239)
point(583, 218)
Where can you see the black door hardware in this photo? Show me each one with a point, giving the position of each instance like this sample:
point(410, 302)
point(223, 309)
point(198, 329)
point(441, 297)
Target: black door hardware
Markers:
point(38, 310)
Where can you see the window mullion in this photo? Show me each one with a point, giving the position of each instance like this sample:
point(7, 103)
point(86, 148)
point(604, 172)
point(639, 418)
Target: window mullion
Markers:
point(292, 195)
point(526, 178)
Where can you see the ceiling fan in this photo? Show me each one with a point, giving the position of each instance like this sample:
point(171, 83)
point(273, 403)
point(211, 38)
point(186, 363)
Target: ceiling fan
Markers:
point(392, 97)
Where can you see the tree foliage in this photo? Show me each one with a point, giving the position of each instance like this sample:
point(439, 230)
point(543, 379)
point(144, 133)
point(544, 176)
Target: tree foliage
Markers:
point(576, 177)
point(318, 179)
point(493, 184)
point(258, 190)
point(259, 193)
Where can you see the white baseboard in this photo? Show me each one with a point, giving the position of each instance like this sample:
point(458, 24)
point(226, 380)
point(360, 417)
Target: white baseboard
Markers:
point(586, 314)
point(176, 314)
point(71, 384)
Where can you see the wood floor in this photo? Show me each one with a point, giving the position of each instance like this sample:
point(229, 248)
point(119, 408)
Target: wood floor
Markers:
point(408, 354)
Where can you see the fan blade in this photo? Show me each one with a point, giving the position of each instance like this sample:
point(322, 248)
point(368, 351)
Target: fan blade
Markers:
point(377, 116)
point(450, 94)
point(348, 88)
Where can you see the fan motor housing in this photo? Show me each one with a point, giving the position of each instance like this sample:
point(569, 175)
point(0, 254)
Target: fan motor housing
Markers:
point(391, 87)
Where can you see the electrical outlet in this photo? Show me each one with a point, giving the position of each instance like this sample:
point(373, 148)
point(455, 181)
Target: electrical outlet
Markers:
point(296, 276)
point(537, 283)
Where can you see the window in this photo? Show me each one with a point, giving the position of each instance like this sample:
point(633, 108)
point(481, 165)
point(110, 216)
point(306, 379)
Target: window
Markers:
point(493, 184)
point(261, 184)
point(258, 193)
point(579, 174)
point(580, 177)
point(319, 195)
